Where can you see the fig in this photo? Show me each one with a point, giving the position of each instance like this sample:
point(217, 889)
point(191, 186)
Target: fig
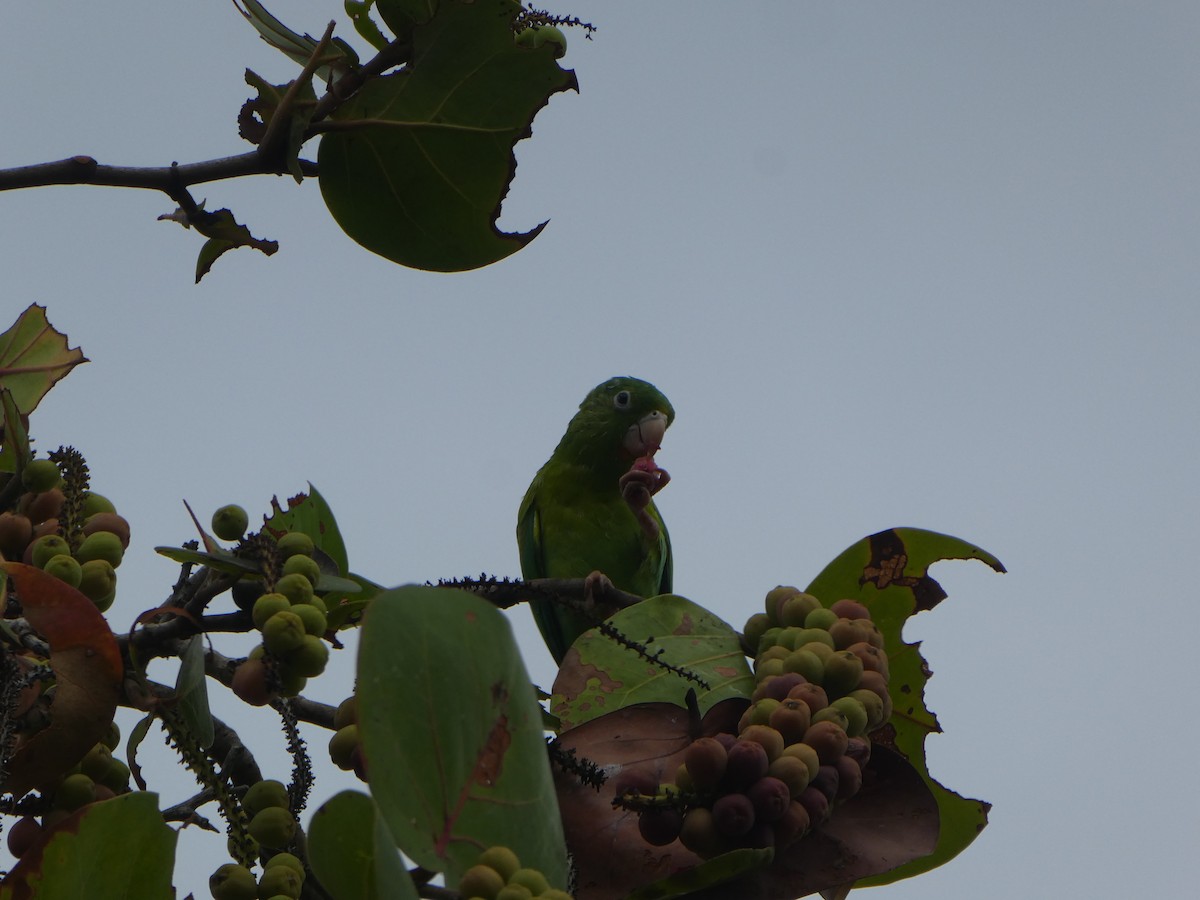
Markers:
point(265, 794)
point(706, 759)
point(341, 747)
point(821, 618)
point(733, 815)
point(502, 859)
point(110, 522)
point(297, 588)
point(310, 658)
point(40, 475)
point(293, 543)
point(250, 683)
point(843, 670)
point(273, 827)
point(283, 632)
point(658, 827)
point(792, 771)
point(46, 548)
point(230, 522)
point(65, 569)
point(232, 882)
point(98, 582)
point(101, 545)
point(770, 739)
point(280, 881)
point(770, 798)
point(855, 713)
point(828, 739)
point(266, 606)
point(480, 881)
point(303, 565)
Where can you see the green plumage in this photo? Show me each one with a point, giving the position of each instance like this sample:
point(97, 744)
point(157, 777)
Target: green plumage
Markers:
point(574, 519)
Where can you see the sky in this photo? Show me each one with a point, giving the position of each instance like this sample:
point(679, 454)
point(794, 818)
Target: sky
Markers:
point(927, 264)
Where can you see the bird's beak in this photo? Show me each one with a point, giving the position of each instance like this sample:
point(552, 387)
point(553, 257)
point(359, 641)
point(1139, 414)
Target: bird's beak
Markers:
point(645, 436)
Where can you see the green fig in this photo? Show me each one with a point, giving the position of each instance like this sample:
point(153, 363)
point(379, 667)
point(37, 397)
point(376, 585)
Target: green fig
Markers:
point(230, 522)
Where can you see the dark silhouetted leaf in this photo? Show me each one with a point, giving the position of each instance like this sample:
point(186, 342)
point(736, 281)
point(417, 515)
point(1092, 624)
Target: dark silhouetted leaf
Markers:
point(87, 668)
point(258, 114)
point(360, 15)
point(353, 854)
point(297, 47)
point(33, 358)
point(451, 731)
point(414, 167)
point(191, 689)
point(599, 675)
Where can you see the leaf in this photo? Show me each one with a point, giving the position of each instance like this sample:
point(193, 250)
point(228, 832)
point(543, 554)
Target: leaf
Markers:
point(191, 690)
point(309, 513)
point(222, 561)
point(599, 675)
point(353, 854)
point(14, 435)
point(402, 15)
point(88, 671)
point(421, 159)
point(258, 114)
point(115, 848)
point(33, 358)
point(451, 733)
point(134, 741)
point(888, 572)
point(360, 15)
point(297, 47)
point(718, 870)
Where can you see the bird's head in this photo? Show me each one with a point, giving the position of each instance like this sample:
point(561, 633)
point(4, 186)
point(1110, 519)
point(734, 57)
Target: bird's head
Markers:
point(619, 421)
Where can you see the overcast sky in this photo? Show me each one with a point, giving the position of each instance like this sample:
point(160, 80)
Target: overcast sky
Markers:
point(928, 264)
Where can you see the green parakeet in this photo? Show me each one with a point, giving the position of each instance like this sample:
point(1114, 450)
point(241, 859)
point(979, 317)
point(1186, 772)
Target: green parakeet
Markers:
point(589, 508)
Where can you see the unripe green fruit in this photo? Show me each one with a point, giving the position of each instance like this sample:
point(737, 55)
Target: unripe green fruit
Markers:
point(347, 713)
point(775, 651)
point(291, 682)
point(699, 834)
point(806, 663)
point(96, 503)
point(232, 882)
point(273, 827)
point(769, 639)
point(266, 606)
point(805, 637)
point(832, 714)
point(855, 712)
point(310, 658)
point(295, 542)
point(767, 668)
point(554, 894)
point(303, 565)
point(760, 712)
point(530, 878)
point(315, 622)
point(770, 739)
point(820, 618)
point(230, 522)
point(65, 568)
point(872, 704)
point(266, 794)
point(101, 545)
point(98, 582)
point(796, 608)
point(341, 747)
point(110, 522)
point(538, 35)
point(74, 792)
point(843, 670)
point(112, 738)
point(806, 754)
point(116, 778)
point(793, 772)
point(46, 548)
point(283, 632)
point(280, 881)
point(96, 763)
point(297, 588)
point(481, 881)
point(514, 892)
point(40, 475)
point(287, 859)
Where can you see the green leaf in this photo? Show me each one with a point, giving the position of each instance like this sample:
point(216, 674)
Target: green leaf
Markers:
point(346, 607)
point(258, 114)
point(451, 731)
point(14, 445)
point(219, 562)
point(353, 854)
point(889, 573)
point(402, 15)
point(311, 515)
point(33, 358)
point(360, 15)
point(713, 871)
point(414, 167)
point(117, 848)
point(136, 735)
point(599, 675)
point(297, 47)
point(191, 690)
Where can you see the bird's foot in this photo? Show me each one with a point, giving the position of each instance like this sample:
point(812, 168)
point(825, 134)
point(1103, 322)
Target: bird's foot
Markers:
point(597, 590)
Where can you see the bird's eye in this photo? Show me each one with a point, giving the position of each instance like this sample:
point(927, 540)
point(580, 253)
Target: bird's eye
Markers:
point(622, 399)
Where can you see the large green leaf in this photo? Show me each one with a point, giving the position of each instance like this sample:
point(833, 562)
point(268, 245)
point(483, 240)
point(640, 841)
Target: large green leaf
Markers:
point(451, 731)
point(116, 848)
point(598, 675)
point(888, 572)
point(418, 161)
point(310, 513)
point(353, 854)
point(33, 358)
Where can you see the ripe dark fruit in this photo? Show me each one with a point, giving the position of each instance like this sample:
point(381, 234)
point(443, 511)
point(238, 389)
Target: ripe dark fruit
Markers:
point(273, 827)
point(777, 687)
point(660, 827)
point(754, 629)
point(849, 778)
point(110, 522)
point(232, 882)
point(245, 592)
point(792, 825)
point(45, 506)
point(16, 531)
point(265, 795)
point(791, 719)
point(101, 545)
point(828, 739)
point(770, 797)
point(846, 632)
point(733, 815)
point(873, 659)
point(795, 609)
point(815, 803)
point(230, 522)
point(812, 695)
point(859, 750)
point(706, 759)
point(23, 834)
point(850, 609)
point(40, 475)
point(250, 683)
point(826, 782)
point(746, 763)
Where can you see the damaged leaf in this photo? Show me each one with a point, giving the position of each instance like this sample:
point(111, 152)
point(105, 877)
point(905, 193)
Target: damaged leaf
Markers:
point(223, 233)
point(258, 114)
point(451, 731)
point(33, 358)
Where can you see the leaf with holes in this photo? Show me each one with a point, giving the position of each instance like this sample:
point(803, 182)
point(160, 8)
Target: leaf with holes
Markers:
point(33, 358)
point(416, 164)
point(599, 675)
point(451, 732)
point(889, 573)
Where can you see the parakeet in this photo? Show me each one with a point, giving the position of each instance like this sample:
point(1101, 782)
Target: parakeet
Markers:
point(589, 508)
